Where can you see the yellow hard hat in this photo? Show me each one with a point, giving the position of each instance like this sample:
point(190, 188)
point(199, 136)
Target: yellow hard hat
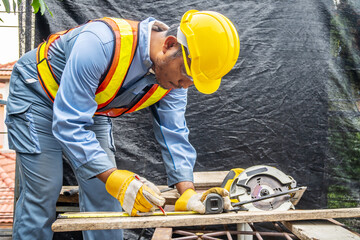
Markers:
point(210, 43)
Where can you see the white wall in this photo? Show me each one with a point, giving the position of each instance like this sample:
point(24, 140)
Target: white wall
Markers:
point(9, 36)
point(9, 51)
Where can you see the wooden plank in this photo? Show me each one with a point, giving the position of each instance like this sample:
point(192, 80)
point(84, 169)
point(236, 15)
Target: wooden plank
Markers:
point(68, 188)
point(162, 234)
point(209, 179)
point(319, 230)
point(68, 199)
point(170, 196)
point(67, 209)
point(63, 225)
point(202, 181)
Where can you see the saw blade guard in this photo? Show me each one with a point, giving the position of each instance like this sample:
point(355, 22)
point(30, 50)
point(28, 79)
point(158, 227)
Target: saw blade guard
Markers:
point(259, 181)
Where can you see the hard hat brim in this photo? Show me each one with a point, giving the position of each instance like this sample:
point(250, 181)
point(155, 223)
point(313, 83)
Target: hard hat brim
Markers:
point(206, 87)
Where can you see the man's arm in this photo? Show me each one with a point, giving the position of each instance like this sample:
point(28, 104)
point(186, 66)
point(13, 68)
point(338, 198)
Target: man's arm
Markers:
point(75, 104)
point(183, 186)
point(173, 136)
point(105, 175)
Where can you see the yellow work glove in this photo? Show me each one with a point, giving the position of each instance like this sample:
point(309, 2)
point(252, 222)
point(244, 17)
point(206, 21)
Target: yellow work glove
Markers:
point(192, 201)
point(134, 193)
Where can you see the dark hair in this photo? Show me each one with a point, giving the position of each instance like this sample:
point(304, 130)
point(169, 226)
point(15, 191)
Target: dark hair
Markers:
point(172, 30)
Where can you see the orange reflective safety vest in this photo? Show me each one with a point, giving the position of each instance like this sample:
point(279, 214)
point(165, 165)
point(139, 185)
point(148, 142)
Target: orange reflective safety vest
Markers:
point(125, 33)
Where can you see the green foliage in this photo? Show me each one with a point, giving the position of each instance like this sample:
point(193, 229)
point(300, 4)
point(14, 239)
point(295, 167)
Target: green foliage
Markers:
point(343, 168)
point(36, 4)
point(40, 4)
point(340, 196)
point(345, 146)
point(6, 5)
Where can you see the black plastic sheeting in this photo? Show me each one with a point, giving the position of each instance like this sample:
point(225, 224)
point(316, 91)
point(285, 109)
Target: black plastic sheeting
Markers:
point(292, 100)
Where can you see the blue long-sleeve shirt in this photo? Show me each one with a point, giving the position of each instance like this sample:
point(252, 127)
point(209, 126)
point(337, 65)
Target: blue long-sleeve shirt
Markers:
point(79, 59)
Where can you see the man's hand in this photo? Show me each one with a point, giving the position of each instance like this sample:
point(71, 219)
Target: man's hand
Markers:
point(192, 201)
point(134, 193)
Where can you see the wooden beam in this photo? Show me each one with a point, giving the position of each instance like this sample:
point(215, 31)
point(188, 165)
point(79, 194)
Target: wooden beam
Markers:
point(319, 230)
point(202, 181)
point(67, 209)
point(74, 198)
point(162, 234)
point(79, 224)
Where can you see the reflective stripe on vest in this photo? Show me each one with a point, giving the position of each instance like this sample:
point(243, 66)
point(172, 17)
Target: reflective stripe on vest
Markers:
point(155, 94)
point(43, 66)
point(45, 73)
point(126, 42)
point(125, 33)
point(151, 97)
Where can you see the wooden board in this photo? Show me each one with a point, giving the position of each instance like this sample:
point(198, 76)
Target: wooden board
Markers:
point(320, 230)
point(209, 179)
point(162, 234)
point(79, 224)
point(202, 181)
point(67, 209)
point(68, 199)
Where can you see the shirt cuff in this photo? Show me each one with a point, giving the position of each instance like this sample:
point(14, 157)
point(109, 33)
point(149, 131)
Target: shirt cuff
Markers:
point(180, 175)
point(95, 167)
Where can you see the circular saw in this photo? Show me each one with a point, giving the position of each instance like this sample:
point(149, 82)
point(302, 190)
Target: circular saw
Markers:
point(262, 188)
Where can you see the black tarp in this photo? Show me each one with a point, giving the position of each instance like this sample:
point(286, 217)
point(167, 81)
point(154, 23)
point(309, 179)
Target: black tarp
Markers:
point(291, 101)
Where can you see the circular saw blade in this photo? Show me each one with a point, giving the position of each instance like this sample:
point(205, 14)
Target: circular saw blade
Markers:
point(262, 185)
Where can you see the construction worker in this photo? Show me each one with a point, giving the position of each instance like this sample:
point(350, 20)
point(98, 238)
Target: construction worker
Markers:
point(63, 94)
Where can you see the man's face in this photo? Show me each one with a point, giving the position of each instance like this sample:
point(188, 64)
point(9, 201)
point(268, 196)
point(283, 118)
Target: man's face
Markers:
point(170, 71)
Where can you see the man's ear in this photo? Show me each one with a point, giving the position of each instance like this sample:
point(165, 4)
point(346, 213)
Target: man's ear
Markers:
point(169, 43)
